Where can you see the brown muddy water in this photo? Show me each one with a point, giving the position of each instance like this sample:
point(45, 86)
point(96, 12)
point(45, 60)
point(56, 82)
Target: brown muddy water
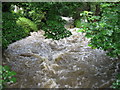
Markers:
point(66, 63)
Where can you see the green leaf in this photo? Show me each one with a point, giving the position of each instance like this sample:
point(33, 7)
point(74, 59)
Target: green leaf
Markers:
point(110, 32)
point(24, 22)
point(88, 35)
point(90, 45)
point(80, 30)
point(12, 73)
point(13, 80)
point(93, 47)
point(6, 68)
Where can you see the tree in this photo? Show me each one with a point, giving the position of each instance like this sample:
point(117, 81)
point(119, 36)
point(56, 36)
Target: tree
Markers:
point(104, 31)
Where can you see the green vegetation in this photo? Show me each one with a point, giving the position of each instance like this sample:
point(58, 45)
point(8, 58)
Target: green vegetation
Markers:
point(116, 84)
point(6, 76)
point(78, 23)
point(100, 22)
point(26, 23)
point(104, 30)
point(13, 31)
point(56, 30)
point(32, 17)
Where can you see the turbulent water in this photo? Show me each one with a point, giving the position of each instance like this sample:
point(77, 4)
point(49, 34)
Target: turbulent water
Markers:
point(66, 63)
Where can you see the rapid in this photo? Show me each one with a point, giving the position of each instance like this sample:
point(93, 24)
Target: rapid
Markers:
point(65, 63)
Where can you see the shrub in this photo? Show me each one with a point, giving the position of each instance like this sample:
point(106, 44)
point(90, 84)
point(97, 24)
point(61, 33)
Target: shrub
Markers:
point(78, 23)
point(55, 30)
point(116, 84)
point(6, 76)
point(104, 31)
point(37, 17)
point(54, 27)
point(11, 31)
point(27, 23)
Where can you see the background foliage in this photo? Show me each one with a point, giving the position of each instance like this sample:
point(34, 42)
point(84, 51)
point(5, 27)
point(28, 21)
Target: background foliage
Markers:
point(32, 17)
point(116, 84)
point(27, 24)
point(6, 76)
point(39, 14)
point(104, 30)
point(11, 31)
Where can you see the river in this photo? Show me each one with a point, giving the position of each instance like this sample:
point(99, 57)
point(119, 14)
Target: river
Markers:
point(66, 63)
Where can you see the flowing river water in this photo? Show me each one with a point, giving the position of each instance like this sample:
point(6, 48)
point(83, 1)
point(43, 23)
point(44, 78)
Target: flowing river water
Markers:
point(66, 63)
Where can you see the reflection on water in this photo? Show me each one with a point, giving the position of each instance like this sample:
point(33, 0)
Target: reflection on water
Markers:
point(69, 62)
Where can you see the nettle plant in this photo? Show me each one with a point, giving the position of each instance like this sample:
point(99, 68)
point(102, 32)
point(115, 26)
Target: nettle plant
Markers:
point(104, 31)
point(6, 76)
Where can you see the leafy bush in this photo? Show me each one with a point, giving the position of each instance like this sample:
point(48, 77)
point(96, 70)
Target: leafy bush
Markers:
point(56, 30)
point(44, 15)
point(116, 84)
point(12, 31)
point(27, 23)
point(6, 76)
point(104, 31)
point(78, 23)
point(54, 27)
point(35, 11)
point(37, 17)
